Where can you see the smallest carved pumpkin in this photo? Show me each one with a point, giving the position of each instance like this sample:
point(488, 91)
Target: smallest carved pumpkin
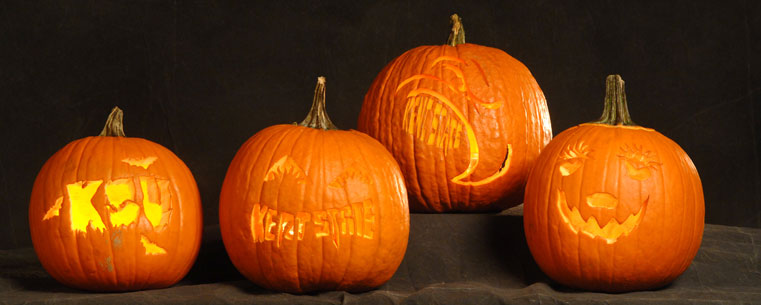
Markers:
point(307, 207)
point(613, 206)
point(113, 213)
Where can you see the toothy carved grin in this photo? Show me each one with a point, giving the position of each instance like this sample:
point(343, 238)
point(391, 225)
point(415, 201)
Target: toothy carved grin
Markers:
point(610, 232)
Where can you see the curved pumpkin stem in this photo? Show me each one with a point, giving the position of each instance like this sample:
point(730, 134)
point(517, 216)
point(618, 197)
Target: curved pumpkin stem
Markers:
point(616, 111)
point(114, 124)
point(318, 116)
point(457, 35)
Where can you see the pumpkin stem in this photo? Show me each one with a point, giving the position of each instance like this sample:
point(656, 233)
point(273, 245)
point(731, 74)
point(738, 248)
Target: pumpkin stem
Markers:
point(616, 111)
point(318, 116)
point(114, 126)
point(457, 35)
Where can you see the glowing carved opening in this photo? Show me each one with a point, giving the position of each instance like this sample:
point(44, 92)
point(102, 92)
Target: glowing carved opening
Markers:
point(151, 248)
point(125, 216)
point(118, 191)
point(54, 210)
point(573, 158)
point(355, 219)
point(285, 165)
point(444, 131)
point(639, 162)
point(82, 212)
point(152, 209)
point(590, 227)
point(602, 200)
point(144, 162)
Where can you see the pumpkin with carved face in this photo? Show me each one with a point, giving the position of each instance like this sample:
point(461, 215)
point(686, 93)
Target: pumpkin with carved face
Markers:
point(308, 207)
point(612, 206)
point(112, 213)
point(464, 121)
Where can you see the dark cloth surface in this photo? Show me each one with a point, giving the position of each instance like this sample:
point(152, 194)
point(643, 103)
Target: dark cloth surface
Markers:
point(451, 259)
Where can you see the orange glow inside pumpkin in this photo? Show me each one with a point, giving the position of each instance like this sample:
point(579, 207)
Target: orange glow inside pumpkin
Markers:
point(638, 167)
point(121, 202)
point(140, 162)
point(83, 213)
point(590, 227)
point(151, 248)
point(425, 105)
point(354, 219)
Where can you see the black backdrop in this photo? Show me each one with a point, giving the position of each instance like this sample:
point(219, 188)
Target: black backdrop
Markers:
point(202, 77)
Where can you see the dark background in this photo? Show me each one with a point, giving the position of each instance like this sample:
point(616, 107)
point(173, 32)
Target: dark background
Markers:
point(202, 77)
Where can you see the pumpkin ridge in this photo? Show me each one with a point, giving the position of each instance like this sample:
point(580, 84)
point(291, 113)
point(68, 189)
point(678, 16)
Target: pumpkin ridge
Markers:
point(251, 161)
point(307, 167)
point(368, 269)
point(580, 134)
point(423, 200)
point(110, 247)
point(681, 235)
point(69, 150)
point(281, 251)
point(664, 208)
point(287, 133)
point(339, 283)
point(322, 207)
point(178, 210)
point(78, 164)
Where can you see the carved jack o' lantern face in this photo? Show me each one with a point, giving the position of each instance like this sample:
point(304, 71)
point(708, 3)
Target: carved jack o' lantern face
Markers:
point(613, 206)
point(638, 165)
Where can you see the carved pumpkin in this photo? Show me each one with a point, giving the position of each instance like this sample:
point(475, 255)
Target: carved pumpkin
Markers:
point(112, 213)
point(308, 207)
point(464, 121)
point(613, 206)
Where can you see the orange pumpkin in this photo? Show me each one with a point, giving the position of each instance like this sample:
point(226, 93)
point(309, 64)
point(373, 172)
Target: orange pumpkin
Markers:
point(307, 207)
point(613, 206)
point(112, 213)
point(464, 121)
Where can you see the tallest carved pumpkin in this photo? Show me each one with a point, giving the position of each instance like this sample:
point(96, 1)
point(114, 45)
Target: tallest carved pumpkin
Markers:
point(464, 121)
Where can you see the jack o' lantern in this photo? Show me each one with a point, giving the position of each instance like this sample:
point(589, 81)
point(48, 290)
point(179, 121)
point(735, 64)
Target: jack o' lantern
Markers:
point(613, 206)
point(464, 121)
point(112, 213)
point(307, 207)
